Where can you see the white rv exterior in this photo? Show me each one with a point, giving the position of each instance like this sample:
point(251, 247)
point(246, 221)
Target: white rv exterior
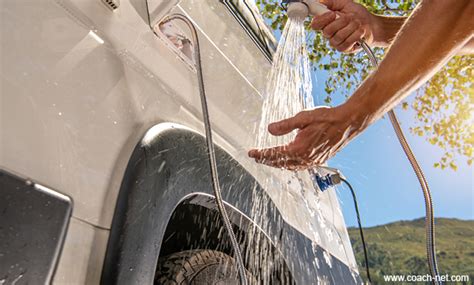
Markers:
point(82, 83)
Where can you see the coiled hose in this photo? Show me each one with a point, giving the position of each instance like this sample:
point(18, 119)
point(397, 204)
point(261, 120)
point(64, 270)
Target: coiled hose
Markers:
point(429, 219)
point(210, 148)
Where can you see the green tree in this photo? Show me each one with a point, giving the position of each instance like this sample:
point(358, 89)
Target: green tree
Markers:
point(442, 107)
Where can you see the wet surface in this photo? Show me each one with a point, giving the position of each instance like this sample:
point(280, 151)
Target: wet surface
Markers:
point(33, 221)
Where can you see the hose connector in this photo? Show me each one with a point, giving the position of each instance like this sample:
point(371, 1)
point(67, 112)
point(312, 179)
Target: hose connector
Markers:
point(325, 177)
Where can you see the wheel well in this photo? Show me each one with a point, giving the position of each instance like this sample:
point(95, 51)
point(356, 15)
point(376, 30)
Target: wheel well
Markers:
point(194, 226)
point(154, 213)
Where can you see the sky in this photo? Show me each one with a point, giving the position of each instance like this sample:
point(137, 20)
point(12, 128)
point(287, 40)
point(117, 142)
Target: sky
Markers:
point(385, 184)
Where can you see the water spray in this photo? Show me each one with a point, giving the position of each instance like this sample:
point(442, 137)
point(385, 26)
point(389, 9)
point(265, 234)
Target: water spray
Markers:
point(303, 8)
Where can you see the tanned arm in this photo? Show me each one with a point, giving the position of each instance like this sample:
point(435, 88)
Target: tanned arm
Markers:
point(435, 32)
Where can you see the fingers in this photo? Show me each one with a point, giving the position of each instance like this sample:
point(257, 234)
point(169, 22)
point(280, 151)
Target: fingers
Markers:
point(278, 157)
point(338, 24)
point(350, 43)
point(271, 154)
point(320, 22)
point(328, 3)
point(293, 156)
point(334, 5)
point(340, 36)
point(318, 138)
point(343, 32)
point(288, 164)
point(301, 120)
point(298, 150)
point(291, 151)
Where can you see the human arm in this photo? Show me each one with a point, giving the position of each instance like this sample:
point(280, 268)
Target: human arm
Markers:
point(354, 23)
point(436, 31)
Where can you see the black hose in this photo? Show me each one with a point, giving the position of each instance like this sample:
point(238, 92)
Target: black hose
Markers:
point(361, 231)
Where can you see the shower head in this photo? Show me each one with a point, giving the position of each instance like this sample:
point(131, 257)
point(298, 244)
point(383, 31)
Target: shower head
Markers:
point(297, 9)
point(303, 8)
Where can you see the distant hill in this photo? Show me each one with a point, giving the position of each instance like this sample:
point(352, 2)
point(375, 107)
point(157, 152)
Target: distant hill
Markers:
point(399, 248)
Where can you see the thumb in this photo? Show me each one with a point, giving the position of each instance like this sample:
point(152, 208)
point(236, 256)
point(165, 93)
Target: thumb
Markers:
point(284, 127)
point(328, 3)
point(333, 5)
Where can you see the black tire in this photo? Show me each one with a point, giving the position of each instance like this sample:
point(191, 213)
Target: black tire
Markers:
point(197, 267)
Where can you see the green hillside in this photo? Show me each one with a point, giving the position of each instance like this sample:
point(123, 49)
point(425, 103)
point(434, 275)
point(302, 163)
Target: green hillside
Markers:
point(399, 248)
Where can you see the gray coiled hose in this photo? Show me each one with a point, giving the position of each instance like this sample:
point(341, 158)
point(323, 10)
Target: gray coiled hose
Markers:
point(429, 219)
point(210, 148)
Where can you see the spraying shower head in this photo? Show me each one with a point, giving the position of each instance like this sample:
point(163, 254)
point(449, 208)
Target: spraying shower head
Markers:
point(303, 8)
point(297, 9)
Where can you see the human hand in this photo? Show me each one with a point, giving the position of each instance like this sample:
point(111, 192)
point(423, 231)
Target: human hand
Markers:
point(345, 25)
point(321, 133)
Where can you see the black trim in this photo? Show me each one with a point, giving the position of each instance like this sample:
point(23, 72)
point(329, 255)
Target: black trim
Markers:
point(33, 225)
point(167, 168)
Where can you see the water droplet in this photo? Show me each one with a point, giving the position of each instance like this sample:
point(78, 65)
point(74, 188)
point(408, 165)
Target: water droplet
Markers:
point(327, 258)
